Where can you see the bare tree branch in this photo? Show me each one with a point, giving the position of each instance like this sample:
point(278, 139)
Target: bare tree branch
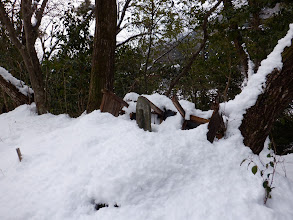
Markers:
point(194, 56)
point(4, 18)
point(171, 48)
point(131, 38)
point(39, 14)
point(126, 5)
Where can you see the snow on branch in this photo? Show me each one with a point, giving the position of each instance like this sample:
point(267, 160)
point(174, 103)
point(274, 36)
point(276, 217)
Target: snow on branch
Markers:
point(19, 85)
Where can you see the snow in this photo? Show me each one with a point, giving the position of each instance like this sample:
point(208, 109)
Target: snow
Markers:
point(256, 83)
point(239, 3)
point(71, 164)
point(20, 85)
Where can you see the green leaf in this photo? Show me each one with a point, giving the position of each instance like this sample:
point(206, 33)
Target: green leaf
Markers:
point(254, 169)
point(265, 184)
point(269, 155)
point(272, 164)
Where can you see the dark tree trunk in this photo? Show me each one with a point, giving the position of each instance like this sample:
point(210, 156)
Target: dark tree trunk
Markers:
point(258, 120)
point(31, 59)
point(102, 74)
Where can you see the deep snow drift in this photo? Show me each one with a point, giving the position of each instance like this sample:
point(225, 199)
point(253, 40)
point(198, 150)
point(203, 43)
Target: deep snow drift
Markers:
point(71, 164)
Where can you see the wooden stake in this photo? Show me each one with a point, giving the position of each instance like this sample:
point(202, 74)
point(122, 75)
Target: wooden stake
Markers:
point(19, 154)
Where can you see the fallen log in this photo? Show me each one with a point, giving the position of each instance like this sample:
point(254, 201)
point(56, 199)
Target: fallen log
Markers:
point(14, 93)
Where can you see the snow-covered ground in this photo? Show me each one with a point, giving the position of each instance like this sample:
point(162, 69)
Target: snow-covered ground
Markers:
point(69, 165)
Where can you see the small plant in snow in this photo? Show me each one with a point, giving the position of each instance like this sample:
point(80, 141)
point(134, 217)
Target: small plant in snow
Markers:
point(268, 171)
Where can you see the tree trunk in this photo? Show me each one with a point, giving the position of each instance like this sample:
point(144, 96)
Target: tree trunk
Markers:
point(102, 74)
point(31, 60)
point(27, 46)
point(258, 120)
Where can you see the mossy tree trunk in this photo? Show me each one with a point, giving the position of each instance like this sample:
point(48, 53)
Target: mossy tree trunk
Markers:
point(102, 74)
point(258, 120)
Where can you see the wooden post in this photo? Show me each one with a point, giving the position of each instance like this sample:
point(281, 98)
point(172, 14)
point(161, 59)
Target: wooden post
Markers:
point(19, 154)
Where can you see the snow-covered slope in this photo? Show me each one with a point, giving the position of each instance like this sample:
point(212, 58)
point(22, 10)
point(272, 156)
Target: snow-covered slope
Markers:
point(69, 165)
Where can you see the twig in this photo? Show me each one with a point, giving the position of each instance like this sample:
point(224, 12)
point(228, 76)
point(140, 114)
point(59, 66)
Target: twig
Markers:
point(19, 154)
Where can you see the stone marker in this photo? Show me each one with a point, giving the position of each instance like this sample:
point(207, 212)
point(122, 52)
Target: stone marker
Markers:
point(143, 113)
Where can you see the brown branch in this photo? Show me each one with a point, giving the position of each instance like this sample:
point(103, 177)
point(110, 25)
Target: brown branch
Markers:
point(4, 18)
point(131, 38)
point(39, 14)
point(126, 5)
point(194, 56)
point(19, 154)
point(171, 48)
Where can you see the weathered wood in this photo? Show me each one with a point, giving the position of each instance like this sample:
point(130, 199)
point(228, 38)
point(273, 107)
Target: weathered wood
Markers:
point(198, 119)
point(194, 120)
point(156, 109)
point(178, 106)
point(143, 113)
point(19, 154)
point(111, 103)
point(14, 93)
point(216, 126)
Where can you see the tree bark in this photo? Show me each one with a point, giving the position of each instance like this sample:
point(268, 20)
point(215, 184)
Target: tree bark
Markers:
point(14, 93)
point(27, 47)
point(258, 120)
point(102, 74)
